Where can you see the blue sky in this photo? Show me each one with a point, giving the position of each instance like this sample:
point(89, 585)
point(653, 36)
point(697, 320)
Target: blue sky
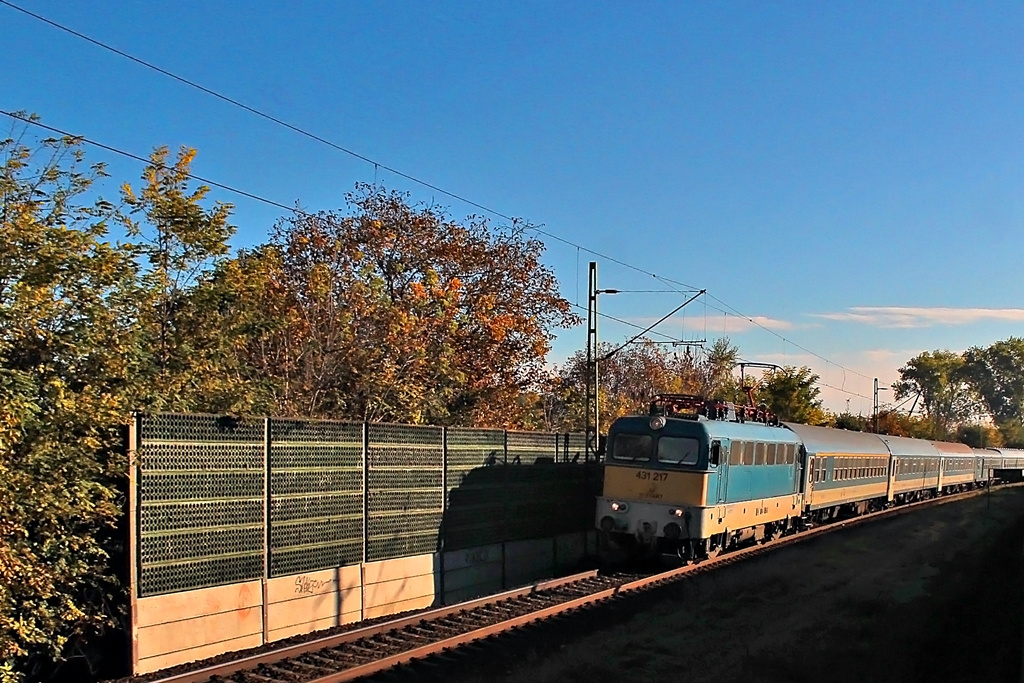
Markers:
point(849, 175)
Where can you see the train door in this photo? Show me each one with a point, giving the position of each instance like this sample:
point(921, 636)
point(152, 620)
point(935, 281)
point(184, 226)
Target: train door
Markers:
point(893, 468)
point(799, 467)
point(723, 449)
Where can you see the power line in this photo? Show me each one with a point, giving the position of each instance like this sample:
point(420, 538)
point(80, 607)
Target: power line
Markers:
point(314, 136)
point(771, 331)
point(395, 171)
point(144, 160)
point(626, 322)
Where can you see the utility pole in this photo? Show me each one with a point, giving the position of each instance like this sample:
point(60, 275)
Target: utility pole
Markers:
point(590, 405)
point(875, 412)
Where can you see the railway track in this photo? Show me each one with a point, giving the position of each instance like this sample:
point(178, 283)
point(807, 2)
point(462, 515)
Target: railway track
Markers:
point(361, 652)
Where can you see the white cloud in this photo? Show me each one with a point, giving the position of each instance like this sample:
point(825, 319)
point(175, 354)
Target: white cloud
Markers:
point(909, 317)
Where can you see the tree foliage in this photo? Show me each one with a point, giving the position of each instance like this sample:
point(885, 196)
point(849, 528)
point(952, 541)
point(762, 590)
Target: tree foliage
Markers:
point(997, 374)
point(178, 243)
point(961, 394)
point(938, 380)
point(631, 376)
point(395, 312)
point(791, 394)
point(385, 311)
point(67, 357)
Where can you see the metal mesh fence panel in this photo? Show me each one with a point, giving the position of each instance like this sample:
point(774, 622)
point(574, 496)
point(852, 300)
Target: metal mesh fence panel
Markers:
point(476, 488)
point(527, 448)
point(316, 495)
point(404, 496)
point(201, 494)
point(200, 498)
point(575, 447)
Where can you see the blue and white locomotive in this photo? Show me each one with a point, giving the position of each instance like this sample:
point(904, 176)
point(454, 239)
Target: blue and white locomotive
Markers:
point(696, 477)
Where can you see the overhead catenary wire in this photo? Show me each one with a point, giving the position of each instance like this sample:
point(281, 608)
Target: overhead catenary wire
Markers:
point(402, 174)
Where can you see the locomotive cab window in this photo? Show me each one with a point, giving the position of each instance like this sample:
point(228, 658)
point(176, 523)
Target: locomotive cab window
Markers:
point(635, 447)
point(675, 450)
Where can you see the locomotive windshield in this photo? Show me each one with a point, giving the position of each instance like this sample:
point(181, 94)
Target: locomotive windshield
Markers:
point(635, 447)
point(677, 450)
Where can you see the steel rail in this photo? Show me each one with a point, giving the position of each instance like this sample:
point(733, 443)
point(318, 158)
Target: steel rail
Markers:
point(273, 656)
point(419, 652)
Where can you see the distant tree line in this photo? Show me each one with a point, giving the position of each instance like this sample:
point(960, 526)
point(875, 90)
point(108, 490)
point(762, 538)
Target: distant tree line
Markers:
point(975, 397)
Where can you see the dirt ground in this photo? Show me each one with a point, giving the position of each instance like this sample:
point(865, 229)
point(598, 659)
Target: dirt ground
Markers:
point(932, 595)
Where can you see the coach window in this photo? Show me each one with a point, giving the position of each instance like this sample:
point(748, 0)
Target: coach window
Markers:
point(748, 453)
point(676, 450)
point(759, 454)
point(736, 453)
point(635, 447)
point(770, 457)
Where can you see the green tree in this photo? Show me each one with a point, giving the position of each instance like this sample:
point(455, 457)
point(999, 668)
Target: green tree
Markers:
point(791, 394)
point(851, 422)
point(938, 378)
point(189, 350)
point(68, 356)
point(714, 370)
point(979, 435)
point(996, 372)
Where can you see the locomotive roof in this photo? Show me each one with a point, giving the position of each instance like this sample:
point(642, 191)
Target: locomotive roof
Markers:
point(826, 440)
point(714, 429)
point(747, 431)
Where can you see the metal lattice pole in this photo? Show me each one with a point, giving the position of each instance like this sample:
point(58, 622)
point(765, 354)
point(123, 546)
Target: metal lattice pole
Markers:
point(590, 405)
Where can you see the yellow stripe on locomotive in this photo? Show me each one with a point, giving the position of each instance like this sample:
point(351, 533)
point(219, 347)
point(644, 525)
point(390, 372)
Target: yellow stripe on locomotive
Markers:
point(677, 488)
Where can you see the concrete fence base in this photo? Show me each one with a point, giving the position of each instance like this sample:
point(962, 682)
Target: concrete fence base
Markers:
point(183, 627)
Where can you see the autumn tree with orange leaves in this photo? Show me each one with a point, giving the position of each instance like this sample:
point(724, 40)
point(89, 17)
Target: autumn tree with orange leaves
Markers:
point(393, 312)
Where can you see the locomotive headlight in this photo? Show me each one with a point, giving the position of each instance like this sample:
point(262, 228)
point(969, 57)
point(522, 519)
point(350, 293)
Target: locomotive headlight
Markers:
point(678, 512)
point(657, 422)
point(619, 507)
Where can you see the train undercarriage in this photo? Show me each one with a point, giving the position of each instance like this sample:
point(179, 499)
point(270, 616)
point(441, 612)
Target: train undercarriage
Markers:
point(617, 547)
